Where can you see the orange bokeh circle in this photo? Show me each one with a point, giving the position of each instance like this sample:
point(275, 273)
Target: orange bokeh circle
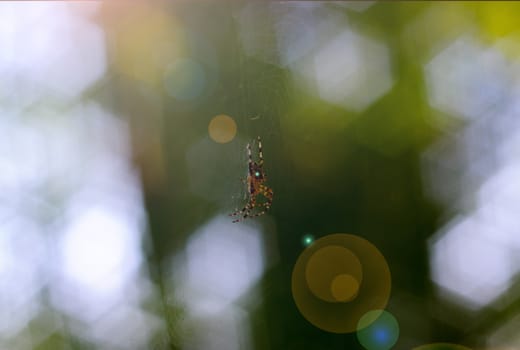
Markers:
point(338, 279)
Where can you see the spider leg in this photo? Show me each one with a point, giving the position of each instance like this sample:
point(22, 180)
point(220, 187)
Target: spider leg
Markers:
point(242, 214)
point(258, 214)
point(239, 212)
point(268, 194)
point(260, 154)
point(246, 211)
point(246, 214)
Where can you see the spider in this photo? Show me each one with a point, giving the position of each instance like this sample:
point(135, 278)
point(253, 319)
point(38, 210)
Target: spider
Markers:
point(255, 180)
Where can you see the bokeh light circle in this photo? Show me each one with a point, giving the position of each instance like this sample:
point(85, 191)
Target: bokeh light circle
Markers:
point(307, 239)
point(185, 79)
point(338, 279)
point(441, 346)
point(222, 128)
point(328, 264)
point(378, 330)
point(344, 287)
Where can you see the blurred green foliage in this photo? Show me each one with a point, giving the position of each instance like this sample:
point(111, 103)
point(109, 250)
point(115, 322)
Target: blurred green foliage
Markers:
point(332, 169)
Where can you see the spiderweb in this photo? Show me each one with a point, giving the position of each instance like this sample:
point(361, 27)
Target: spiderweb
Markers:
point(261, 96)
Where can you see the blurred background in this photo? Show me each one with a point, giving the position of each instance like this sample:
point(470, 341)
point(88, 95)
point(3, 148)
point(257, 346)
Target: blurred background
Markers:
point(124, 129)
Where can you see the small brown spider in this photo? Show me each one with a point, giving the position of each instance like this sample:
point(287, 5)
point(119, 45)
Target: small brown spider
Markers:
point(255, 180)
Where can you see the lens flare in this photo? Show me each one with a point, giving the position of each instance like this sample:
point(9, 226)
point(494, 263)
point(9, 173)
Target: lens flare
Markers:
point(307, 239)
point(378, 330)
point(339, 278)
point(344, 287)
point(326, 270)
